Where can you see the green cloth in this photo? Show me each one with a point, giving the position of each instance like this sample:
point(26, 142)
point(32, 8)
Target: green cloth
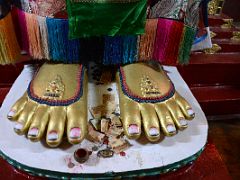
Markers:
point(96, 18)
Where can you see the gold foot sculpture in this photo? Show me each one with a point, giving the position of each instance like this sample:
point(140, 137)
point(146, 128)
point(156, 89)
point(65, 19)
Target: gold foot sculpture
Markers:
point(148, 98)
point(56, 97)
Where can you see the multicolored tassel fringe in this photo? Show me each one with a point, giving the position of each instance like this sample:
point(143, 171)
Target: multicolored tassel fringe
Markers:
point(120, 49)
point(44, 36)
point(162, 37)
point(9, 49)
point(174, 40)
point(146, 44)
point(129, 49)
point(165, 40)
point(20, 26)
point(60, 47)
point(186, 45)
point(35, 49)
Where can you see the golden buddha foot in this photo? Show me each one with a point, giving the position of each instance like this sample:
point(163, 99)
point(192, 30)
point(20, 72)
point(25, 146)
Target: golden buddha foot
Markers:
point(57, 96)
point(148, 98)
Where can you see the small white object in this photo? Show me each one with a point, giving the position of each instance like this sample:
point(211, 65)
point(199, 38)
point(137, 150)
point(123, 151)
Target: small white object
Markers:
point(11, 113)
point(205, 43)
point(52, 136)
point(23, 52)
point(183, 122)
point(190, 112)
point(153, 132)
point(133, 129)
point(18, 126)
point(33, 132)
point(171, 128)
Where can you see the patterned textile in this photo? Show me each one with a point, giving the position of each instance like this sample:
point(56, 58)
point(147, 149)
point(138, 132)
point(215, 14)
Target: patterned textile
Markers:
point(192, 13)
point(24, 5)
point(41, 7)
point(165, 8)
point(47, 7)
point(168, 9)
point(9, 48)
point(167, 39)
point(177, 9)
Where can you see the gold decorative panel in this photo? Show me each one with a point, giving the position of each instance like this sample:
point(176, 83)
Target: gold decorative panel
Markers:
point(215, 7)
point(215, 48)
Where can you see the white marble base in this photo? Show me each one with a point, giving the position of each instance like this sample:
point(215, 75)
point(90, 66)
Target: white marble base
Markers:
point(142, 155)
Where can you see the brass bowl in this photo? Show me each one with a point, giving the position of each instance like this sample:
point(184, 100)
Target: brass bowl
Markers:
point(81, 155)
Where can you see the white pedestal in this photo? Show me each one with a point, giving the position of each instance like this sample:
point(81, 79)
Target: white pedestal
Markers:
point(143, 158)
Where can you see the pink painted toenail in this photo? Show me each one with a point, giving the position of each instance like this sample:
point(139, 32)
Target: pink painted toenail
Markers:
point(18, 126)
point(153, 131)
point(11, 113)
point(190, 112)
point(52, 136)
point(133, 129)
point(171, 128)
point(75, 133)
point(33, 132)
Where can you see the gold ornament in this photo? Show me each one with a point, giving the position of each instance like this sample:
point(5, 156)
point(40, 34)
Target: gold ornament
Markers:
point(55, 89)
point(212, 34)
point(106, 153)
point(148, 87)
point(236, 36)
point(215, 7)
point(215, 48)
point(228, 24)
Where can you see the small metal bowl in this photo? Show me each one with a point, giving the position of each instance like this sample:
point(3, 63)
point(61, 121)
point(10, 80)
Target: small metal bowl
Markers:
point(106, 153)
point(81, 155)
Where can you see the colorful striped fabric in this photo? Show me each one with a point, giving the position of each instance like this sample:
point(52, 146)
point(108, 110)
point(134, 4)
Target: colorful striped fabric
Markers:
point(9, 48)
point(165, 40)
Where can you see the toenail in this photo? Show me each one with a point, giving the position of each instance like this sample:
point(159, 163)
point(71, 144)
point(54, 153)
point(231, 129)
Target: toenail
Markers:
point(133, 129)
point(33, 132)
point(52, 135)
point(171, 128)
point(153, 131)
point(11, 113)
point(75, 133)
point(190, 112)
point(18, 126)
point(183, 122)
